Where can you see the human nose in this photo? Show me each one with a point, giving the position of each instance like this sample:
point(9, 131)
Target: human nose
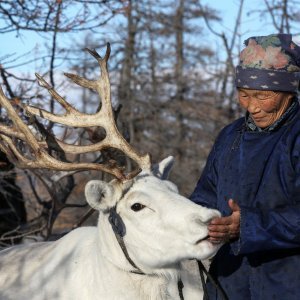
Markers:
point(253, 106)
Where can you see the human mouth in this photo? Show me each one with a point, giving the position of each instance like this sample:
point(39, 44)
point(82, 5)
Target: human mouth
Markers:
point(257, 119)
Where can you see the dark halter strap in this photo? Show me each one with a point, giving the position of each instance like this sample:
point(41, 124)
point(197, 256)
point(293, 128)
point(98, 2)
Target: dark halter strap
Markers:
point(124, 249)
point(119, 228)
point(219, 289)
point(119, 231)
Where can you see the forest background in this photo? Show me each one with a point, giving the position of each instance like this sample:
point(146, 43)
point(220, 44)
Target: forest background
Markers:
point(172, 73)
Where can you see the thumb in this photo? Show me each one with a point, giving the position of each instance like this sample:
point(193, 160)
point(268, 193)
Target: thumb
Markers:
point(233, 205)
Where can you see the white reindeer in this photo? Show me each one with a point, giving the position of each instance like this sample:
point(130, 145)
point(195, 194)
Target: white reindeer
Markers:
point(145, 228)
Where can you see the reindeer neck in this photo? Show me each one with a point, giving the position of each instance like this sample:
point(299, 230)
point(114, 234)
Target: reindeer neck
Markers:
point(156, 287)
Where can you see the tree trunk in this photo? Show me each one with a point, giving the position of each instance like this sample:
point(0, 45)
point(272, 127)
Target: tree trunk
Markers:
point(179, 76)
point(125, 92)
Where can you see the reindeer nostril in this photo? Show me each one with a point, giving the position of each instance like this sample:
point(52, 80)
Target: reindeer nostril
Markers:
point(198, 228)
point(203, 220)
point(208, 220)
point(212, 214)
point(198, 221)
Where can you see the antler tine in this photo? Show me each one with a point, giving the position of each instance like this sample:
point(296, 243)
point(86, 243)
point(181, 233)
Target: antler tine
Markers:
point(72, 117)
point(18, 122)
point(43, 83)
point(107, 53)
point(95, 54)
point(12, 132)
point(91, 84)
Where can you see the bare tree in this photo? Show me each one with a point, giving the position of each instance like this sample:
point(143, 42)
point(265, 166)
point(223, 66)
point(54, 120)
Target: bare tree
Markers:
point(51, 16)
point(228, 70)
point(283, 14)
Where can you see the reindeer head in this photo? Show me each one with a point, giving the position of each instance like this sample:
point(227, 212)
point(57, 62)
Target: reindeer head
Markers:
point(159, 227)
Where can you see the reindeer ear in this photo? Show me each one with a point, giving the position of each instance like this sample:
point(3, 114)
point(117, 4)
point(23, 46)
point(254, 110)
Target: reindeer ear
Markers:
point(163, 169)
point(100, 194)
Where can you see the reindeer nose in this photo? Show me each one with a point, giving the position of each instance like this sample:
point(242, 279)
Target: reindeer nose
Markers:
point(204, 218)
point(211, 215)
point(197, 224)
point(198, 221)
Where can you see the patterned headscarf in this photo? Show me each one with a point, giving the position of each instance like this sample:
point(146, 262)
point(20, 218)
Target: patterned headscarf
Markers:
point(269, 63)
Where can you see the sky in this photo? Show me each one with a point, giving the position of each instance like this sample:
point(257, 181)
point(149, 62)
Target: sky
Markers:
point(249, 25)
point(228, 10)
point(30, 41)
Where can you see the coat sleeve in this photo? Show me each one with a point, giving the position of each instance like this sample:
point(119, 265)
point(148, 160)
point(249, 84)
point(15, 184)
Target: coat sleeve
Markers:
point(265, 229)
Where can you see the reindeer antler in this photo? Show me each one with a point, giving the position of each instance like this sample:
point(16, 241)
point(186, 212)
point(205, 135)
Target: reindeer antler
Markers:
point(72, 117)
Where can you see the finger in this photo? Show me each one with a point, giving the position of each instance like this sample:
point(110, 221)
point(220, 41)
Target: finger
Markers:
point(218, 228)
point(233, 205)
point(221, 221)
point(218, 235)
point(226, 234)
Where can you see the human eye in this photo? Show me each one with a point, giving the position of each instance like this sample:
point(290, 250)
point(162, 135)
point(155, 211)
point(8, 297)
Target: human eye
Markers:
point(242, 95)
point(263, 96)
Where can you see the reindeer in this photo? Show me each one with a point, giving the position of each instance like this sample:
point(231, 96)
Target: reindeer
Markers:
point(145, 228)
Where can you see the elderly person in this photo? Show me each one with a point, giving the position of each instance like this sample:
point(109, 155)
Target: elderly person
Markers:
point(252, 177)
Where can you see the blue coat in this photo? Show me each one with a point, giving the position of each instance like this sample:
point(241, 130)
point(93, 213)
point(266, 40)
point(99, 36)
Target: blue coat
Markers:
point(261, 172)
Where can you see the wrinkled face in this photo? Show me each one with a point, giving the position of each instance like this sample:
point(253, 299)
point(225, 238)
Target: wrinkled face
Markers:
point(162, 227)
point(265, 107)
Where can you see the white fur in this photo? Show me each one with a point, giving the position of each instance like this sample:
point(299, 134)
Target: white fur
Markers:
point(88, 263)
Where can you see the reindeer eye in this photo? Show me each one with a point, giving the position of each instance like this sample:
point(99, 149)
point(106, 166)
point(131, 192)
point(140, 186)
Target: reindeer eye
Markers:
point(137, 206)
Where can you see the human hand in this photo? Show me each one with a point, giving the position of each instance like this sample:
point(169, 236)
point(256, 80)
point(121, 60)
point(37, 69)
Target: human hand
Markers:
point(224, 229)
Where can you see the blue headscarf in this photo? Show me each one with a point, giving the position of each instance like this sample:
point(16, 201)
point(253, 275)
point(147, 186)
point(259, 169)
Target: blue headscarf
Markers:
point(269, 63)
